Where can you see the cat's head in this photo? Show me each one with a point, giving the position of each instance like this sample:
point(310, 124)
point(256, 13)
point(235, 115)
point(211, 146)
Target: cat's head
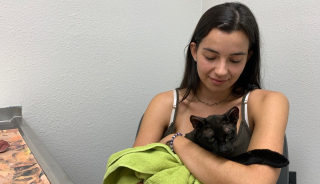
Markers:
point(216, 133)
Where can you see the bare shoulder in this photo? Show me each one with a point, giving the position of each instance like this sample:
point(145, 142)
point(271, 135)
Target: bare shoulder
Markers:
point(161, 105)
point(164, 98)
point(261, 93)
point(264, 98)
point(156, 119)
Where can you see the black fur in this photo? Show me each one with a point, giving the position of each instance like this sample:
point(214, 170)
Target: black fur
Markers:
point(262, 156)
point(216, 133)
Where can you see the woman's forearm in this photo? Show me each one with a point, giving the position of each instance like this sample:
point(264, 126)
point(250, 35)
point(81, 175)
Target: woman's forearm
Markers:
point(211, 169)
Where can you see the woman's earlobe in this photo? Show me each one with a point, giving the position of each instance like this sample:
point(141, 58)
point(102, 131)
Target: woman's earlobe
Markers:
point(193, 49)
point(249, 55)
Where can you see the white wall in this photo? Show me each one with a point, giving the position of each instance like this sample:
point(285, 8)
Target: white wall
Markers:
point(84, 71)
point(291, 43)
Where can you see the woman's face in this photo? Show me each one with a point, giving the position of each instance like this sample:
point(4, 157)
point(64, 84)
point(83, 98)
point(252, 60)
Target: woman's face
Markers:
point(221, 58)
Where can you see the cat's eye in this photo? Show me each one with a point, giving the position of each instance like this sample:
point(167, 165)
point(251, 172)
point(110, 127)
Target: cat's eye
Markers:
point(229, 137)
point(211, 140)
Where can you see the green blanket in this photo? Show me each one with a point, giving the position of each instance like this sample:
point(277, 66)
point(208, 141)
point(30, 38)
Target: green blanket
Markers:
point(153, 164)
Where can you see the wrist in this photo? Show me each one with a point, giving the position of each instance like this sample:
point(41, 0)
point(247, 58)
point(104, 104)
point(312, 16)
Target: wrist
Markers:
point(170, 142)
point(181, 144)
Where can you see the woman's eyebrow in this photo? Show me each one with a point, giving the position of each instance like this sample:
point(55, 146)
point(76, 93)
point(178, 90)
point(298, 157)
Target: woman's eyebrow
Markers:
point(211, 50)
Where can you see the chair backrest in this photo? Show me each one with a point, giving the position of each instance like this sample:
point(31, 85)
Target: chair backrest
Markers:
point(284, 174)
point(139, 126)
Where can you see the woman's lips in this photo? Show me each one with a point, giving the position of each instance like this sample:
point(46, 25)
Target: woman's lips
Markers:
point(217, 81)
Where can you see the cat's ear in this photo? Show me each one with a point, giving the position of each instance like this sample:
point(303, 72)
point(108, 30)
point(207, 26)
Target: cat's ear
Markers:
point(233, 115)
point(197, 122)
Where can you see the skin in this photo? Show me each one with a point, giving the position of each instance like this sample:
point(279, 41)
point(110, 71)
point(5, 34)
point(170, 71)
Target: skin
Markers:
point(220, 57)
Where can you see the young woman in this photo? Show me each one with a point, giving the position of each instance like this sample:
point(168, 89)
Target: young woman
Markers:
point(222, 69)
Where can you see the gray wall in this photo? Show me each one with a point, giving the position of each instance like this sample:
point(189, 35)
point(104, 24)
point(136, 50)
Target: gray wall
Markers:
point(84, 71)
point(291, 43)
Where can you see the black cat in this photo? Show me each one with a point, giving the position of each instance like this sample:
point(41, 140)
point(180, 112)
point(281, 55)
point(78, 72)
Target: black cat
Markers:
point(216, 133)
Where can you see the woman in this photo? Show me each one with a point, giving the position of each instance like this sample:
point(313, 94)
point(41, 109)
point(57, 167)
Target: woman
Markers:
point(223, 58)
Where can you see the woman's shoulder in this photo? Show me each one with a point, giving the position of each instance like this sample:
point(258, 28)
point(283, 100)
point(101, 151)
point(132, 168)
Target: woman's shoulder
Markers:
point(164, 98)
point(265, 103)
point(261, 96)
point(162, 103)
point(168, 96)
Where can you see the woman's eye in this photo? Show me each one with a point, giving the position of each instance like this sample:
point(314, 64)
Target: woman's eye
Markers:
point(210, 58)
point(233, 61)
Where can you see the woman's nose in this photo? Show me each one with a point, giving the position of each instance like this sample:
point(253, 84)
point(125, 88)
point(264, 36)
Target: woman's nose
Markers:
point(221, 68)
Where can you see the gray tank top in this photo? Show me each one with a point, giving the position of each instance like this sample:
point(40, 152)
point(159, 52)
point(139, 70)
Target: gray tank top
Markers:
point(243, 138)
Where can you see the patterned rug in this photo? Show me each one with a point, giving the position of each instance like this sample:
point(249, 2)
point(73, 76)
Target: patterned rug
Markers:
point(17, 163)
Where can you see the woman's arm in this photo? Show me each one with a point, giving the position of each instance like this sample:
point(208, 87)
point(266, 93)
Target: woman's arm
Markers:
point(269, 112)
point(155, 120)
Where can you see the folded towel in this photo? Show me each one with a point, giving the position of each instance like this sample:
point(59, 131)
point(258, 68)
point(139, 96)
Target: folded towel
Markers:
point(153, 164)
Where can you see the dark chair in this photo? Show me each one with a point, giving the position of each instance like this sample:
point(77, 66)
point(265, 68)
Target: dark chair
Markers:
point(284, 174)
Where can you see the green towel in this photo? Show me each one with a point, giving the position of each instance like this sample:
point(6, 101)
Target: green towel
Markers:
point(154, 164)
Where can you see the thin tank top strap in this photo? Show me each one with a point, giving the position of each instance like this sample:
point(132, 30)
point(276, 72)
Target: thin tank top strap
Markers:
point(174, 106)
point(244, 107)
point(171, 127)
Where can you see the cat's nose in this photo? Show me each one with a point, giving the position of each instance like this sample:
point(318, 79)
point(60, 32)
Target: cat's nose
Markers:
point(224, 148)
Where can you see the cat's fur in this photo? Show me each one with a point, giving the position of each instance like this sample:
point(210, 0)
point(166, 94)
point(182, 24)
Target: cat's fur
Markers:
point(216, 133)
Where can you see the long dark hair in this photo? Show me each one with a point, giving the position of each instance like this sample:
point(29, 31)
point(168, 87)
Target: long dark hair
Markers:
point(227, 17)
